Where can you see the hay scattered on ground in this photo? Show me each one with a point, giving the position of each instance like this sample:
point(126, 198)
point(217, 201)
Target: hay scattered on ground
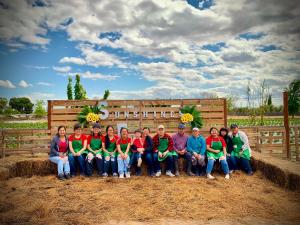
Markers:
point(145, 200)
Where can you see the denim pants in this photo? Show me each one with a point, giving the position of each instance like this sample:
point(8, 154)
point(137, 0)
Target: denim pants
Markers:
point(198, 165)
point(110, 161)
point(169, 163)
point(63, 167)
point(211, 162)
point(123, 164)
point(75, 161)
point(90, 165)
point(234, 162)
point(245, 164)
point(152, 162)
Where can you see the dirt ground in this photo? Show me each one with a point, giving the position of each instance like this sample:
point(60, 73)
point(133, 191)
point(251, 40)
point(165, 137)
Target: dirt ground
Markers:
point(145, 200)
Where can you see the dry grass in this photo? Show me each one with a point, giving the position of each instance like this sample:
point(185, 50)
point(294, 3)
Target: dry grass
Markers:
point(144, 200)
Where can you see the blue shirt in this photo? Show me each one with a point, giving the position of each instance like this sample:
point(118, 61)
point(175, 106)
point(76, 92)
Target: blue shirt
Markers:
point(196, 144)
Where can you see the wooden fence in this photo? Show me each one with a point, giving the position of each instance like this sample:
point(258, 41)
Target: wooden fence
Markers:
point(138, 113)
point(268, 140)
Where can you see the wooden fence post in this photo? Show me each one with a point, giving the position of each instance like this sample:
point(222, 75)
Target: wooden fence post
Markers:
point(286, 124)
point(49, 114)
point(296, 129)
point(225, 112)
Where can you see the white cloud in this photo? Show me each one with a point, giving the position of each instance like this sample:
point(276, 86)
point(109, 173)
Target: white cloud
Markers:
point(37, 67)
point(95, 76)
point(74, 60)
point(63, 69)
point(41, 83)
point(44, 96)
point(24, 84)
point(6, 84)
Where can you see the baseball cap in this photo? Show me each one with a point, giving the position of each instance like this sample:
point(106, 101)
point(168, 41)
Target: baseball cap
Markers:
point(161, 127)
point(195, 129)
point(232, 126)
point(96, 125)
point(181, 126)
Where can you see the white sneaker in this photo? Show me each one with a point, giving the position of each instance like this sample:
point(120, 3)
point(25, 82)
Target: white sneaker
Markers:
point(227, 176)
point(170, 174)
point(121, 176)
point(158, 173)
point(209, 176)
point(139, 163)
point(127, 175)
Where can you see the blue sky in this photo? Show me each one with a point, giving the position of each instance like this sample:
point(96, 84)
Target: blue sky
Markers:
point(148, 49)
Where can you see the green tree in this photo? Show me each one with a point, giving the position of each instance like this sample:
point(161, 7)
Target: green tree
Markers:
point(69, 89)
point(79, 91)
point(106, 94)
point(39, 110)
point(23, 104)
point(293, 97)
point(3, 104)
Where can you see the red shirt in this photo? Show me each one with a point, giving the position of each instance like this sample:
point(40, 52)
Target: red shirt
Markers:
point(138, 142)
point(82, 138)
point(124, 141)
point(113, 140)
point(62, 146)
point(210, 139)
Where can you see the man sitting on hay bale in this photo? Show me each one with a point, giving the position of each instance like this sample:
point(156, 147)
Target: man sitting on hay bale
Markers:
point(163, 145)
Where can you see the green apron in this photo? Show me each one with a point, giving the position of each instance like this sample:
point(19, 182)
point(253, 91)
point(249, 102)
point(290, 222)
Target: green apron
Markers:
point(237, 147)
point(96, 144)
point(216, 145)
point(77, 146)
point(163, 146)
point(111, 148)
point(123, 148)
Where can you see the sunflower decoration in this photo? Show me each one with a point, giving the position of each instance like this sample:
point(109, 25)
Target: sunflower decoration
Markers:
point(89, 114)
point(190, 115)
point(186, 118)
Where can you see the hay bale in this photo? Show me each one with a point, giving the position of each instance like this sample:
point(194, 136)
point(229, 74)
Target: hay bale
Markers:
point(277, 170)
point(293, 181)
point(24, 168)
point(4, 174)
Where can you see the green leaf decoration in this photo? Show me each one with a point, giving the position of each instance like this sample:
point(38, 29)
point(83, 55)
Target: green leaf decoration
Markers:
point(197, 121)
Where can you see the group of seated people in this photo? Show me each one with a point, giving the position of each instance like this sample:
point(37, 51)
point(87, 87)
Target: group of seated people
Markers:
point(111, 154)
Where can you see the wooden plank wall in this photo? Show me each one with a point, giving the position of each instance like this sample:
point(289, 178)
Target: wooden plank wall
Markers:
point(64, 112)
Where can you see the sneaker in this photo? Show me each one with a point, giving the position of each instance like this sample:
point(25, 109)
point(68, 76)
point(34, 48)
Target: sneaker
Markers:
point(177, 174)
point(139, 162)
point(158, 173)
point(115, 174)
point(152, 174)
point(227, 176)
point(190, 174)
point(250, 173)
point(121, 176)
point(104, 175)
point(231, 171)
point(170, 174)
point(61, 176)
point(209, 176)
point(127, 175)
point(68, 176)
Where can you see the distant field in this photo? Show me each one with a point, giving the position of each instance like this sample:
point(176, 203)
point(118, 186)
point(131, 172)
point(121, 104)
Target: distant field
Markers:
point(240, 120)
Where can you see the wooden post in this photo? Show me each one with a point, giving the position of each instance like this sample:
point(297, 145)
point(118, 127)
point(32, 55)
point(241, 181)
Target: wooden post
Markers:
point(286, 124)
point(225, 112)
point(49, 114)
point(296, 129)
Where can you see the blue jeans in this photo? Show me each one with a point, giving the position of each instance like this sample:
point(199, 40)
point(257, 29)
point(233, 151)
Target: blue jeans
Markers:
point(234, 162)
point(169, 163)
point(62, 166)
point(110, 161)
point(135, 156)
point(148, 156)
point(76, 161)
point(90, 166)
point(210, 166)
point(156, 163)
point(123, 164)
point(198, 166)
point(245, 164)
